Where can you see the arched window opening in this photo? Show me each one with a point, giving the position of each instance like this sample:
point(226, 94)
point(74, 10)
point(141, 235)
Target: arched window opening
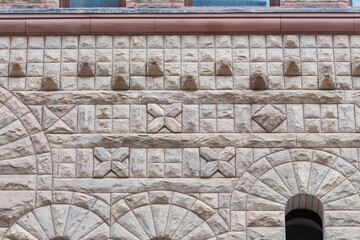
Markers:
point(59, 238)
point(161, 238)
point(304, 218)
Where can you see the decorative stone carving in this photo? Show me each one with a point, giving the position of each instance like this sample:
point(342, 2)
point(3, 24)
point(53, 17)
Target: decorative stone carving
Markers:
point(292, 68)
point(189, 82)
point(167, 118)
point(16, 69)
point(223, 68)
point(268, 117)
point(120, 82)
point(165, 215)
point(59, 221)
point(258, 81)
point(326, 76)
point(86, 69)
point(154, 67)
point(222, 162)
point(50, 84)
point(59, 118)
point(356, 68)
point(112, 162)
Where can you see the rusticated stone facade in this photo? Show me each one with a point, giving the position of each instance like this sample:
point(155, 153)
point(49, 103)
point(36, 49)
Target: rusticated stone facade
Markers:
point(177, 136)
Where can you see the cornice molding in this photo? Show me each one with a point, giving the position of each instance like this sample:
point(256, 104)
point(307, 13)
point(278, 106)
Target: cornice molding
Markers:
point(180, 23)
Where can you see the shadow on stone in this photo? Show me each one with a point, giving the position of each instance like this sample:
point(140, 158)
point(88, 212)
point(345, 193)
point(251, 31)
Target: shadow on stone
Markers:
point(189, 82)
point(223, 68)
point(120, 82)
point(50, 84)
point(16, 69)
point(86, 69)
point(258, 81)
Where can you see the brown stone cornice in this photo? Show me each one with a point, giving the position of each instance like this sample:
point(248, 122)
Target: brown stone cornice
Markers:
point(180, 23)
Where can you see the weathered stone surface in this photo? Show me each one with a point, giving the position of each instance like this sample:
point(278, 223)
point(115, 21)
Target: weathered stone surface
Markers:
point(120, 82)
point(258, 81)
point(268, 117)
point(326, 77)
point(86, 69)
point(154, 67)
point(285, 140)
point(223, 68)
point(84, 97)
point(355, 68)
point(160, 161)
point(189, 82)
point(50, 84)
point(16, 69)
point(292, 68)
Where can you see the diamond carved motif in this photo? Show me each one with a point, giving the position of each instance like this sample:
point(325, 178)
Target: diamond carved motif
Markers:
point(268, 118)
point(164, 118)
point(217, 161)
point(111, 162)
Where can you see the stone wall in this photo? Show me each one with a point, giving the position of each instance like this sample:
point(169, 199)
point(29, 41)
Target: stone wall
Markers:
point(138, 137)
point(29, 4)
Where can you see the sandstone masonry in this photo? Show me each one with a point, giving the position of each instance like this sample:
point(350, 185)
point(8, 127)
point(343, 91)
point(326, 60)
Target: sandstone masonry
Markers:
point(165, 136)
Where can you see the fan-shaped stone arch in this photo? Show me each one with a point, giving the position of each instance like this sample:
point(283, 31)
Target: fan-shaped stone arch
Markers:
point(165, 215)
point(267, 184)
point(24, 152)
point(59, 221)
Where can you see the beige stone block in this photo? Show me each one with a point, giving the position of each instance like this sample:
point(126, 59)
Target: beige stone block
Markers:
point(4, 42)
point(103, 41)
point(274, 233)
point(240, 41)
point(70, 42)
point(138, 162)
point(257, 41)
point(52, 55)
point(291, 41)
point(325, 55)
point(273, 41)
point(324, 41)
point(274, 54)
point(265, 219)
point(52, 42)
point(18, 42)
point(341, 41)
point(35, 55)
point(342, 55)
point(121, 42)
point(172, 41)
point(18, 55)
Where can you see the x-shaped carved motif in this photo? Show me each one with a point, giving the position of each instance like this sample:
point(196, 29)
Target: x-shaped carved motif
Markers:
point(164, 117)
point(217, 162)
point(115, 161)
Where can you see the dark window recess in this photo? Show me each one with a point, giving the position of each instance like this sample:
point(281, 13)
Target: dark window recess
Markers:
point(303, 224)
point(92, 3)
point(230, 3)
